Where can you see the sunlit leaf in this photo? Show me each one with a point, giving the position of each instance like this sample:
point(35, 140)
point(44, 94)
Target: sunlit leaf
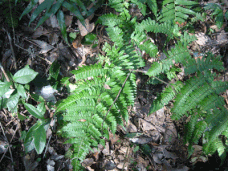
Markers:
point(39, 139)
point(4, 87)
point(24, 75)
point(34, 111)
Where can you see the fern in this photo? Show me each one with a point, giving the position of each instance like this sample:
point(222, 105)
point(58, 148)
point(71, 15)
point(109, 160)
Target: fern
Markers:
point(179, 54)
point(94, 109)
point(200, 99)
point(176, 10)
point(105, 90)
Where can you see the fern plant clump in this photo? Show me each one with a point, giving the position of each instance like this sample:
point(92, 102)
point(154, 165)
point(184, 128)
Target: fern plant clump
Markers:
point(103, 91)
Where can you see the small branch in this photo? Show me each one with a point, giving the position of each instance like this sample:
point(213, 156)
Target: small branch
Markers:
point(11, 47)
point(11, 156)
point(11, 18)
point(6, 76)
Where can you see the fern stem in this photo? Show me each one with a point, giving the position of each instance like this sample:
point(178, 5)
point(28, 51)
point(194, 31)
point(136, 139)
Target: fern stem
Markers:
point(115, 99)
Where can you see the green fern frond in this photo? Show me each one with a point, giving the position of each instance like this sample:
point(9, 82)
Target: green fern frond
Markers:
point(186, 38)
point(176, 10)
point(221, 124)
point(110, 20)
point(95, 107)
point(198, 131)
point(167, 95)
point(205, 64)
point(152, 26)
point(153, 6)
point(88, 71)
point(140, 6)
point(180, 54)
point(149, 47)
point(195, 90)
point(124, 57)
point(118, 5)
point(190, 127)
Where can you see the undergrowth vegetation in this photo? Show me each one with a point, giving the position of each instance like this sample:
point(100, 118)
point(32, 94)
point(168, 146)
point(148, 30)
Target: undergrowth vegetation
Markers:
point(104, 91)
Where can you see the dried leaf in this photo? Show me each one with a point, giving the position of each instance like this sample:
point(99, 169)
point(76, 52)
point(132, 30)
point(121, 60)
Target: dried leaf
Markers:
point(68, 20)
point(106, 86)
point(85, 30)
point(39, 32)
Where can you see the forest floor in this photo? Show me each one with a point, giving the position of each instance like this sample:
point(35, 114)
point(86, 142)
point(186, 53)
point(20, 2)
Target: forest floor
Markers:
point(149, 142)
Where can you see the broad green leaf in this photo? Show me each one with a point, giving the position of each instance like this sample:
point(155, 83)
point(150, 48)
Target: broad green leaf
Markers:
point(21, 91)
point(29, 7)
point(89, 39)
point(4, 87)
point(52, 11)
point(12, 102)
point(29, 140)
point(37, 98)
point(54, 70)
point(36, 136)
point(41, 108)
point(24, 75)
point(34, 111)
point(39, 139)
point(3, 102)
point(219, 20)
point(44, 5)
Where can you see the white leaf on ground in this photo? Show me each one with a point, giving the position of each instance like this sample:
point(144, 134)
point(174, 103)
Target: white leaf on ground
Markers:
point(45, 47)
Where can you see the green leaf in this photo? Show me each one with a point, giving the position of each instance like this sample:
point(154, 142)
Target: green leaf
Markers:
point(21, 91)
point(4, 87)
point(41, 108)
point(12, 103)
point(24, 75)
point(52, 11)
point(73, 35)
point(61, 21)
point(153, 6)
point(36, 136)
point(39, 139)
point(37, 98)
point(219, 20)
point(8, 93)
point(44, 5)
point(89, 39)
point(54, 70)
point(29, 7)
point(21, 117)
point(29, 141)
point(34, 111)
point(74, 9)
